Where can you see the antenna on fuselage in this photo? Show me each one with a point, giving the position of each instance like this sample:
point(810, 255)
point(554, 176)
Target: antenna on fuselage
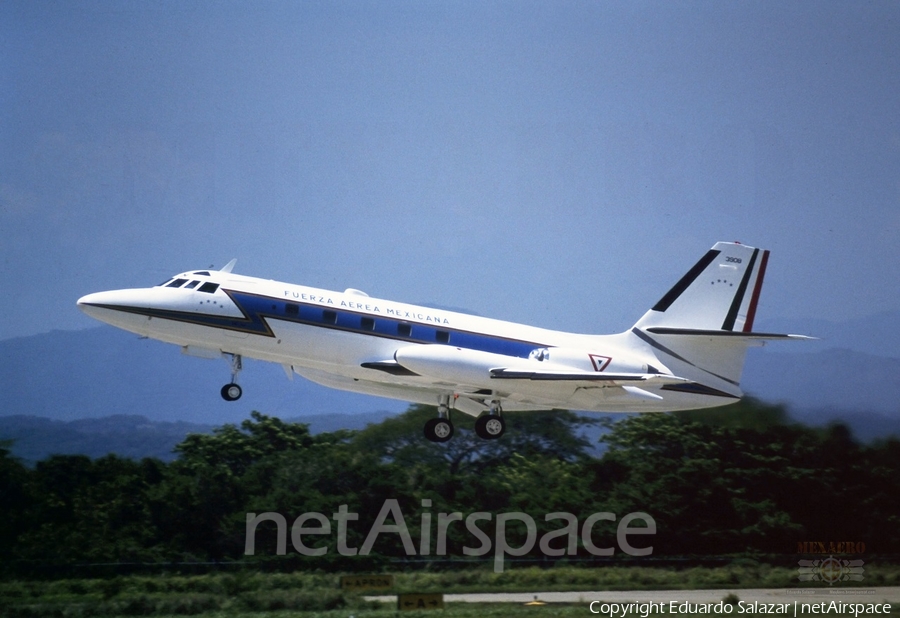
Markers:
point(227, 268)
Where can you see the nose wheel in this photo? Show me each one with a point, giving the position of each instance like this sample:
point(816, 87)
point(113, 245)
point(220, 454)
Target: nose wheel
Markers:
point(231, 391)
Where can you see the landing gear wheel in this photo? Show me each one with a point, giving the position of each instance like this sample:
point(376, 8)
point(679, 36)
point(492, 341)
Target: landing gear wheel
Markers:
point(231, 392)
point(439, 430)
point(490, 426)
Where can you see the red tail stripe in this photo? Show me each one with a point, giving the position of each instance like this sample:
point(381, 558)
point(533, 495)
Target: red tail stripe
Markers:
point(751, 312)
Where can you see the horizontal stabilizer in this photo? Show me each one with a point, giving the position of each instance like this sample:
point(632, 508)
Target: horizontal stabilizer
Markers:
point(696, 332)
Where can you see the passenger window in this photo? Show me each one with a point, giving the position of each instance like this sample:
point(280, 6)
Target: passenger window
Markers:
point(329, 317)
point(177, 283)
point(404, 330)
point(367, 323)
point(292, 309)
point(442, 336)
point(191, 285)
point(208, 287)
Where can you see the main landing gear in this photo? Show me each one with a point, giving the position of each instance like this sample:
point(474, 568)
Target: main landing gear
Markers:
point(231, 391)
point(491, 426)
point(488, 426)
point(440, 429)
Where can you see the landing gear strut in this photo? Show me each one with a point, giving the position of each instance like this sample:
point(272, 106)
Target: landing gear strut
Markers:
point(231, 391)
point(440, 429)
point(491, 426)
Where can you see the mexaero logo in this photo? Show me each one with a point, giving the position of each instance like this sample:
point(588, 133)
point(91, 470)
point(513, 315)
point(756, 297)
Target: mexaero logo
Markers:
point(831, 570)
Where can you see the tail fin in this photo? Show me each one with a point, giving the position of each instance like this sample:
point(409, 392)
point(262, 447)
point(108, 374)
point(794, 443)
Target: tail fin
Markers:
point(702, 327)
point(719, 293)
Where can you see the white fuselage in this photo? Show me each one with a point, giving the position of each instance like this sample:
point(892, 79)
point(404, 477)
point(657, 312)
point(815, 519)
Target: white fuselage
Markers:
point(350, 341)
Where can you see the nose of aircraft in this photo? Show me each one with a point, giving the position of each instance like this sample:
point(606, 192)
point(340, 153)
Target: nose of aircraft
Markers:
point(99, 304)
point(88, 303)
point(99, 299)
point(90, 299)
point(126, 309)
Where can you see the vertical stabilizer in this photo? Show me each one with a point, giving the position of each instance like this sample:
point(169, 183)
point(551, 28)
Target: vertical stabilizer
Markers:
point(719, 293)
point(702, 327)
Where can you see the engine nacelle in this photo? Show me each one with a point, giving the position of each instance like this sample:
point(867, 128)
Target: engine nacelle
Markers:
point(613, 361)
point(473, 367)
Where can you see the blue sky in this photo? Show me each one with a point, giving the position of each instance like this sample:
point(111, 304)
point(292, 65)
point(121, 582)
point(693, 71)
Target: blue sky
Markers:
point(554, 163)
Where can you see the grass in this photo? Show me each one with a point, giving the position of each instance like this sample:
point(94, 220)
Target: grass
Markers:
point(457, 611)
point(467, 610)
point(246, 594)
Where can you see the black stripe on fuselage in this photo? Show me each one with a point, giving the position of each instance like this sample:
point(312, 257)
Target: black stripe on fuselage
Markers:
point(695, 388)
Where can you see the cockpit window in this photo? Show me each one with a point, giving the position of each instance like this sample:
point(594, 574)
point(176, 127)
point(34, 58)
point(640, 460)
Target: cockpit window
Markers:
point(192, 285)
point(208, 287)
point(177, 283)
point(201, 272)
point(164, 283)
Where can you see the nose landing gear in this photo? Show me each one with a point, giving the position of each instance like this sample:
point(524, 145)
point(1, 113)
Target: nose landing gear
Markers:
point(231, 391)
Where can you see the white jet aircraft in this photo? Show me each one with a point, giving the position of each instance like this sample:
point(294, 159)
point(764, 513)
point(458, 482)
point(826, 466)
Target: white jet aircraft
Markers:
point(686, 352)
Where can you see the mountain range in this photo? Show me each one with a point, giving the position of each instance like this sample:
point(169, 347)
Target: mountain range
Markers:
point(80, 391)
point(131, 435)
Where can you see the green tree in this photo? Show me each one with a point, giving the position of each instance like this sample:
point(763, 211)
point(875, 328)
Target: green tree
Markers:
point(400, 439)
point(90, 510)
point(745, 480)
point(236, 449)
point(208, 489)
point(15, 499)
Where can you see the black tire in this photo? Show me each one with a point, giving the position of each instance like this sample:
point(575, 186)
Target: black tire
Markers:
point(490, 426)
point(438, 430)
point(231, 392)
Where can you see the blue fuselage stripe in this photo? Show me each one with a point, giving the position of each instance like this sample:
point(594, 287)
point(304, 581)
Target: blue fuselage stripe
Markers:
point(376, 326)
point(258, 309)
